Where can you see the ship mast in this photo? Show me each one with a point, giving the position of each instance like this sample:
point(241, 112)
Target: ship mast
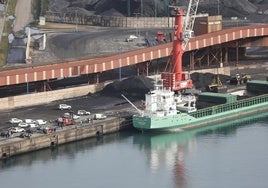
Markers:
point(175, 79)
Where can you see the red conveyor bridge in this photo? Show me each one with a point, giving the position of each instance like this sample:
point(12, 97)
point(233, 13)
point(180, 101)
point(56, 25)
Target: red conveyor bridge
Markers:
point(233, 37)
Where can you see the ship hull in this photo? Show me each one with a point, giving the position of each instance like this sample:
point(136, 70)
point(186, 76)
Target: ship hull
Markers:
point(184, 121)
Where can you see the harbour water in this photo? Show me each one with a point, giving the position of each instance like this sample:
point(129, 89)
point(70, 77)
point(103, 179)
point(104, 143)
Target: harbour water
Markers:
point(224, 156)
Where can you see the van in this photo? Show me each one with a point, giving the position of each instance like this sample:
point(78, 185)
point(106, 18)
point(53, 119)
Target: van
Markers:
point(99, 116)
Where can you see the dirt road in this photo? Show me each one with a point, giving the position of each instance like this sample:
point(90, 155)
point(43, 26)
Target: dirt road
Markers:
point(23, 15)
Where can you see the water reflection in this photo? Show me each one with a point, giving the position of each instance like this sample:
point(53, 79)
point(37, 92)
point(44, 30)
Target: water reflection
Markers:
point(168, 150)
point(67, 151)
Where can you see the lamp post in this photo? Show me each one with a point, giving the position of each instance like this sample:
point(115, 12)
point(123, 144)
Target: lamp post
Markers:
point(136, 15)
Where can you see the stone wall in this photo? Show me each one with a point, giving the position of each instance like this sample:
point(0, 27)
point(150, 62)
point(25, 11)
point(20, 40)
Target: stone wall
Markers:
point(111, 21)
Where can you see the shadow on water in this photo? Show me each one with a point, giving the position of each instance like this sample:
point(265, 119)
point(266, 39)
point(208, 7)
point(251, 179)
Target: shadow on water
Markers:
point(67, 150)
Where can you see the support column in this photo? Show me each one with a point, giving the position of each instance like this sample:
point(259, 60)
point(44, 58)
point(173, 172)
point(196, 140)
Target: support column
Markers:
point(208, 59)
point(221, 64)
point(236, 47)
point(192, 61)
point(147, 68)
point(226, 56)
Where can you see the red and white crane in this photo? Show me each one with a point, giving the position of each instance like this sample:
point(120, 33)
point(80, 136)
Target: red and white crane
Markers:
point(175, 79)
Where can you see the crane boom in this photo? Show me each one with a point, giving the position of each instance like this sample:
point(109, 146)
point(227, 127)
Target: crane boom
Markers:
point(175, 79)
point(189, 20)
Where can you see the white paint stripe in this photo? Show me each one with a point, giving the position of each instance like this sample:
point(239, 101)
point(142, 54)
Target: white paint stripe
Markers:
point(167, 52)
point(17, 78)
point(104, 66)
point(112, 64)
point(26, 77)
point(233, 35)
point(189, 46)
point(262, 31)
point(211, 41)
point(78, 70)
point(53, 73)
point(248, 31)
point(204, 42)
point(143, 56)
point(241, 33)
point(61, 72)
point(35, 76)
point(197, 44)
point(8, 80)
point(136, 59)
point(70, 71)
point(159, 53)
point(44, 75)
point(151, 55)
point(226, 37)
point(219, 39)
point(128, 62)
point(255, 32)
point(95, 68)
point(87, 69)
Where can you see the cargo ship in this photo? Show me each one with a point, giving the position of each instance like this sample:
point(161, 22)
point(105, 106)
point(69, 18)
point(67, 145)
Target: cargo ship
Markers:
point(167, 109)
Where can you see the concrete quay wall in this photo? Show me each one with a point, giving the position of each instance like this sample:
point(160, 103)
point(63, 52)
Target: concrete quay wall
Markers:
point(48, 96)
point(15, 146)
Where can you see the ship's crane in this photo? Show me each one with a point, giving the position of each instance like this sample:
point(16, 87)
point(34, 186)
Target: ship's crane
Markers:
point(174, 78)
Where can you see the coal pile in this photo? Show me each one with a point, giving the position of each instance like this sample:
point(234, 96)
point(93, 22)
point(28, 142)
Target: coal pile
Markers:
point(202, 80)
point(133, 87)
point(138, 86)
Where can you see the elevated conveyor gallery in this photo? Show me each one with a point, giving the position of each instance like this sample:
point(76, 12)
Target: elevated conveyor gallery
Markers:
point(235, 37)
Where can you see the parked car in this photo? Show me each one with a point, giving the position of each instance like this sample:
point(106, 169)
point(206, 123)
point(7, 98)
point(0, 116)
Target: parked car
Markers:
point(64, 107)
point(100, 116)
point(40, 122)
point(33, 125)
point(71, 115)
point(64, 121)
point(15, 120)
point(23, 124)
point(5, 133)
point(29, 121)
point(24, 134)
point(83, 112)
point(17, 129)
point(31, 130)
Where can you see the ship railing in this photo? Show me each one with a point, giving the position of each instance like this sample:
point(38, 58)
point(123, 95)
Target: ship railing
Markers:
point(230, 106)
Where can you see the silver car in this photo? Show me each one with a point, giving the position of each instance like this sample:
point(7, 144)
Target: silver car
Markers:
point(64, 107)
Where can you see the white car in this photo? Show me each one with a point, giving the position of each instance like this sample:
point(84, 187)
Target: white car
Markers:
point(15, 120)
point(64, 107)
point(17, 129)
point(33, 125)
point(23, 124)
point(40, 122)
point(83, 112)
point(68, 115)
point(29, 121)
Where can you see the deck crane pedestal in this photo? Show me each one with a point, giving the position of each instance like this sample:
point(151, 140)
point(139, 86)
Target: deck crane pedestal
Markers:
point(174, 78)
